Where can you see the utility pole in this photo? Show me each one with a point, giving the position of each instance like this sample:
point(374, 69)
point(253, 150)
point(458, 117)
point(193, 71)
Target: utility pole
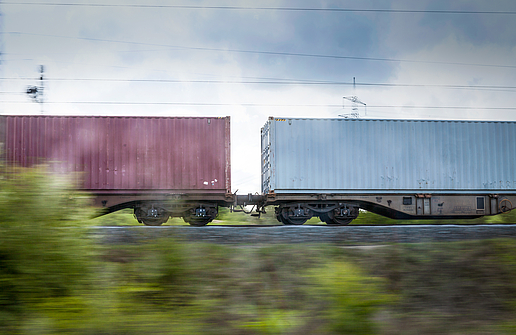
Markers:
point(355, 114)
point(36, 92)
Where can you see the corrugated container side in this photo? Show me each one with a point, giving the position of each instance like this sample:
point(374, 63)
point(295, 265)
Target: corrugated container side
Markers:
point(365, 155)
point(126, 153)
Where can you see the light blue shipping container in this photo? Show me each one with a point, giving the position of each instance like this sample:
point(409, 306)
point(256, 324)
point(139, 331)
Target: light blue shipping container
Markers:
point(388, 156)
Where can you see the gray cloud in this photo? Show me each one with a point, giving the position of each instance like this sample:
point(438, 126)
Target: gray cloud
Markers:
point(419, 37)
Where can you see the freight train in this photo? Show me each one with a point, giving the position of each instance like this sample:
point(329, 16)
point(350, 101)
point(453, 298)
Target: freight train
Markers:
point(165, 167)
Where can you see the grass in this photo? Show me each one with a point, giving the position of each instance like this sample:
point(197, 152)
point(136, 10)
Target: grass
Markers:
point(168, 287)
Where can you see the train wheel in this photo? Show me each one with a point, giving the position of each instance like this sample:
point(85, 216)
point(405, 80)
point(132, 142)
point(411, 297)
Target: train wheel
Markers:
point(200, 216)
point(339, 216)
point(154, 222)
point(279, 215)
point(295, 221)
point(281, 219)
point(505, 206)
point(338, 222)
point(152, 216)
point(197, 222)
point(291, 219)
point(331, 220)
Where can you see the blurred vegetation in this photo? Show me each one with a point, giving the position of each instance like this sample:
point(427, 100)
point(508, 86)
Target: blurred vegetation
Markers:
point(370, 218)
point(43, 253)
point(55, 278)
point(353, 297)
point(446, 288)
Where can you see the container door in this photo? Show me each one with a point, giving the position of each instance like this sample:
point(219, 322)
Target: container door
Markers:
point(266, 157)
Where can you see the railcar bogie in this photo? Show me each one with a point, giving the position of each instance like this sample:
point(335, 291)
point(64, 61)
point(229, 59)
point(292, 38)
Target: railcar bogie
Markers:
point(340, 215)
point(201, 215)
point(297, 213)
point(151, 216)
point(157, 213)
point(293, 214)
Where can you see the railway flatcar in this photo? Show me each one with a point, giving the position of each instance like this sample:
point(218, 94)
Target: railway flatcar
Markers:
point(402, 169)
point(159, 166)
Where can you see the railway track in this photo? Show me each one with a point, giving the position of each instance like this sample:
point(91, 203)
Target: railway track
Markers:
point(354, 234)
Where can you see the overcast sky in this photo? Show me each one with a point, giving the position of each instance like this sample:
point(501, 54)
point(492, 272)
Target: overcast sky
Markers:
point(434, 59)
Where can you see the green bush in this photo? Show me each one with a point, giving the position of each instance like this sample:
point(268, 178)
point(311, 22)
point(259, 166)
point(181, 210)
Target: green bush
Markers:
point(155, 274)
point(44, 253)
point(352, 298)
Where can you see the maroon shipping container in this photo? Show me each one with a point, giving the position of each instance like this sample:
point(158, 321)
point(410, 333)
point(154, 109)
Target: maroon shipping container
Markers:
point(126, 155)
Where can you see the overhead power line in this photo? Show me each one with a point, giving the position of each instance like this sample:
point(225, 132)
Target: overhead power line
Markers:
point(285, 9)
point(259, 52)
point(214, 104)
point(277, 81)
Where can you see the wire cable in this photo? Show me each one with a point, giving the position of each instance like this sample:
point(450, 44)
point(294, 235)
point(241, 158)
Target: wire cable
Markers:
point(213, 104)
point(270, 53)
point(247, 8)
point(277, 81)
